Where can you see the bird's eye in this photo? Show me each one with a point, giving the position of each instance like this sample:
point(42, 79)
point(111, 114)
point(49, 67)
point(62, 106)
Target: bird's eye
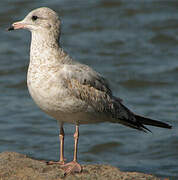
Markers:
point(34, 18)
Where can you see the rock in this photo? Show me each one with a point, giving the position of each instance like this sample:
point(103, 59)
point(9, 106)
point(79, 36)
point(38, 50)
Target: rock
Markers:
point(15, 166)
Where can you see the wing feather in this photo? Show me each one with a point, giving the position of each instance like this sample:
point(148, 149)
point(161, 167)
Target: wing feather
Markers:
point(86, 76)
point(87, 85)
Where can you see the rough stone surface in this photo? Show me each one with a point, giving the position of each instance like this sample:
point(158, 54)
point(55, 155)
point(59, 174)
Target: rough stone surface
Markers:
point(15, 166)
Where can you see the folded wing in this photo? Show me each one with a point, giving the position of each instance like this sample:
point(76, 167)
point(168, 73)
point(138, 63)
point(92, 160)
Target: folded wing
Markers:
point(89, 86)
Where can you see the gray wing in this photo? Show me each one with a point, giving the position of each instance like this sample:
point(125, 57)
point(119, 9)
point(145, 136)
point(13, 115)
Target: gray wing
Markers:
point(85, 75)
point(89, 86)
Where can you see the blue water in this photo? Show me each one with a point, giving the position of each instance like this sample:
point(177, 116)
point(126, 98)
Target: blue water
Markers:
point(135, 46)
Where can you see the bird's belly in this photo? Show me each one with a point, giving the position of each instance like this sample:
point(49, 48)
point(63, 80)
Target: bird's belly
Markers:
point(80, 117)
point(42, 99)
point(52, 101)
point(61, 105)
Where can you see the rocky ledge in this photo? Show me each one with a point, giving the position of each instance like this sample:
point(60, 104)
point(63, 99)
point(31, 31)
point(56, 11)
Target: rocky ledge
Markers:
point(15, 166)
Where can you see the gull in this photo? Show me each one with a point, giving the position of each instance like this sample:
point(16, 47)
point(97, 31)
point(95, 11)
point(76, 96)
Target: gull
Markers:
point(67, 90)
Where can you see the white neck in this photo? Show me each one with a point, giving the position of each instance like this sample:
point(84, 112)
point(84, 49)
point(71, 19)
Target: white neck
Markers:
point(43, 45)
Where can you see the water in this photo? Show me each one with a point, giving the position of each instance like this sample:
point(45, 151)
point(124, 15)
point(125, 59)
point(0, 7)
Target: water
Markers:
point(134, 45)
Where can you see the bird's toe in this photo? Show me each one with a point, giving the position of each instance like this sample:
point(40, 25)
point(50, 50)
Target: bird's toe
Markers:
point(71, 167)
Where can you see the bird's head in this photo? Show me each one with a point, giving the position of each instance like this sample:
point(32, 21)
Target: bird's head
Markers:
point(39, 19)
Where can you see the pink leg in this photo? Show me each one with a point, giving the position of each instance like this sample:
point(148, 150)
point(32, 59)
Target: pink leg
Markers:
point(76, 136)
point(73, 166)
point(61, 138)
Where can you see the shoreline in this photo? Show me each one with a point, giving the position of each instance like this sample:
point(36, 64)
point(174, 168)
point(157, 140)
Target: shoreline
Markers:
point(16, 166)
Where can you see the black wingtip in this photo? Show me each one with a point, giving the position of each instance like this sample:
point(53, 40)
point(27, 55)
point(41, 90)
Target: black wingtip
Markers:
point(11, 28)
point(151, 122)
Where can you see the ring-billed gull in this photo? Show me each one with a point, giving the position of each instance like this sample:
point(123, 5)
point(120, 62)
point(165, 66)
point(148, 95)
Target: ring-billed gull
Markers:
point(67, 90)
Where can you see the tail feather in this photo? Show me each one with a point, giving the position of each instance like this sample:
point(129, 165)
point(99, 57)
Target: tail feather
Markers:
point(123, 115)
point(151, 122)
point(133, 124)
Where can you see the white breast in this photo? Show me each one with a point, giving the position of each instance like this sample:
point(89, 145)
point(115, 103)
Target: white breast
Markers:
point(50, 94)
